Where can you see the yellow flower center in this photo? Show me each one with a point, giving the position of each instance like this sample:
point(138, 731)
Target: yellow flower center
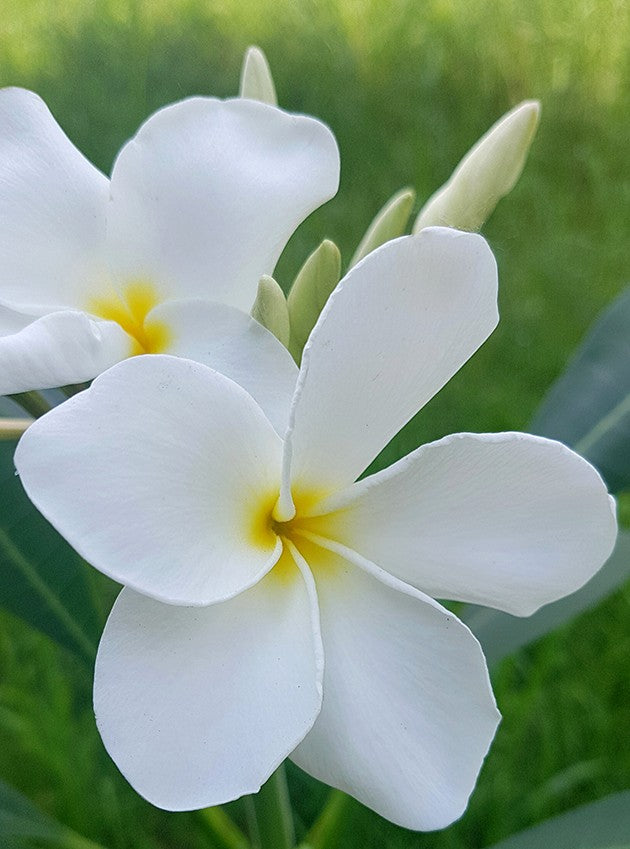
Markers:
point(130, 309)
point(265, 529)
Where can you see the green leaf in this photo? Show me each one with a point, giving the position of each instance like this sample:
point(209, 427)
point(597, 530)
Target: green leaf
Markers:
point(42, 579)
point(604, 824)
point(270, 309)
point(311, 289)
point(588, 407)
point(501, 634)
point(21, 822)
point(20, 819)
point(389, 223)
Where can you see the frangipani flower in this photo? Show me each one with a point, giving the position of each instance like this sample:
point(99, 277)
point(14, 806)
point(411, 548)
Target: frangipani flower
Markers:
point(273, 607)
point(165, 256)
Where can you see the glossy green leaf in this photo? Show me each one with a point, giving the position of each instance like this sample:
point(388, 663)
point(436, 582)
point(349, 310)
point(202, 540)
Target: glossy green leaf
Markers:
point(604, 824)
point(20, 820)
point(311, 289)
point(21, 823)
point(42, 579)
point(501, 634)
point(588, 407)
point(389, 223)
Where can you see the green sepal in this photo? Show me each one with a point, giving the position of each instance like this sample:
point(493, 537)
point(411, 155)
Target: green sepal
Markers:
point(270, 309)
point(390, 223)
point(311, 289)
point(256, 80)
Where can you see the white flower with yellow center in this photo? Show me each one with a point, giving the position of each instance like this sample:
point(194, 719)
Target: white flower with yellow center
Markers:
point(273, 607)
point(162, 258)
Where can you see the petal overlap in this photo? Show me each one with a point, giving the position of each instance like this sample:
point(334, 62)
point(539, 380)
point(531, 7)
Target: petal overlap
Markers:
point(198, 706)
point(231, 342)
point(508, 520)
point(59, 349)
point(408, 711)
point(155, 475)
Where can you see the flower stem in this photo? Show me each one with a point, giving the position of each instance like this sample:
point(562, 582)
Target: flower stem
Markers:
point(13, 428)
point(12, 554)
point(32, 402)
point(223, 832)
point(326, 832)
point(271, 818)
point(71, 840)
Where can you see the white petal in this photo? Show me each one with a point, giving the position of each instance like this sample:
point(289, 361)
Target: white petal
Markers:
point(207, 194)
point(157, 475)
point(52, 210)
point(231, 342)
point(58, 349)
point(198, 706)
point(408, 712)
point(397, 327)
point(507, 520)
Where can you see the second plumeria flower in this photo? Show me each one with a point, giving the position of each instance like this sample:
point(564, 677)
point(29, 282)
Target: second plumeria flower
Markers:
point(273, 607)
point(162, 258)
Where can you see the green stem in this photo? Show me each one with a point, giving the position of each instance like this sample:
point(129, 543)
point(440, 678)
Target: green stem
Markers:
point(272, 816)
point(73, 388)
point(13, 553)
point(32, 402)
point(326, 831)
point(222, 830)
point(13, 428)
point(71, 840)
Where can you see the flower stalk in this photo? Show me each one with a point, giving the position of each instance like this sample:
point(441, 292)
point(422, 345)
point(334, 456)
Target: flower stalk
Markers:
point(13, 428)
point(327, 830)
point(32, 402)
point(222, 830)
point(271, 817)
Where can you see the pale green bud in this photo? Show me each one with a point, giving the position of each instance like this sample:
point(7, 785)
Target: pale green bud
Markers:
point(256, 79)
point(390, 223)
point(270, 309)
point(488, 172)
point(311, 288)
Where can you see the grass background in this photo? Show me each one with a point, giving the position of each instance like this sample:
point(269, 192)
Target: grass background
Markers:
point(407, 87)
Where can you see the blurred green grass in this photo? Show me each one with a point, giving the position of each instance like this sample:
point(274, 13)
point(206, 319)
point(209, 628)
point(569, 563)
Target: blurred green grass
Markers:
point(407, 87)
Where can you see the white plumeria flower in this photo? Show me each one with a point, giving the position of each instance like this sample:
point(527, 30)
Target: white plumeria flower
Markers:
point(273, 607)
point(162, 258)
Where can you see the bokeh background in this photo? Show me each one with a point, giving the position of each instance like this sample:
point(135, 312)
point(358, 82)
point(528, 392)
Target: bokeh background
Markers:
point(407, 87)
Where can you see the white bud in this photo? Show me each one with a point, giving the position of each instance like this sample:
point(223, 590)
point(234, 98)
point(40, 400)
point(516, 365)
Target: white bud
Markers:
point(488, 172)
point(256, 79)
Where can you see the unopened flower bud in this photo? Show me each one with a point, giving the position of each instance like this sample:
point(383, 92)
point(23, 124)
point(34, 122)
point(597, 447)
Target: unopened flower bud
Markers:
point(487, 173)
point(390, 223)
point(270, 309)
point(314, 282)
point(256, 79)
